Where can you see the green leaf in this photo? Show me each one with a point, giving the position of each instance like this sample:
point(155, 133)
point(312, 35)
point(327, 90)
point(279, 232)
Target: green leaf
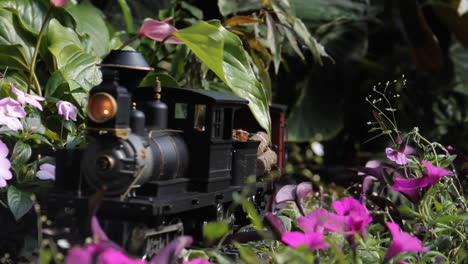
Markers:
point(31, 12)
point(12, 33)
point(315, 106)
point(195, 11)
point(19, 202)
point(247, 254)
point(215, 230)
point(249, 208)
point(165, 79)
point(223, 53)
point(407, 210)
point(90, 21)
point(13, 57)
point(274, 42)
point(21, 153)
point(127, 13)
point(448, 218)
point(78, 68)
point(33, 124)
point(318, 12)
point(227, 7)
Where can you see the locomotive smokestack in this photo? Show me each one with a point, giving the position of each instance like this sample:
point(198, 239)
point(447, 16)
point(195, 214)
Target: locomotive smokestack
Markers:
point(156, 114)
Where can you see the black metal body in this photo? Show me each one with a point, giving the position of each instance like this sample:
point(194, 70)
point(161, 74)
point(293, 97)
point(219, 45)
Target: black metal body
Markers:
point(178, 156)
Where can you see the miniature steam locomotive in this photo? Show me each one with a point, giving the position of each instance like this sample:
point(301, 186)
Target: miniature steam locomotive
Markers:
point(165, 157)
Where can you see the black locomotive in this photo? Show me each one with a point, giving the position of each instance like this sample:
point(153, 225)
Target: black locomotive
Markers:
point(165, 157)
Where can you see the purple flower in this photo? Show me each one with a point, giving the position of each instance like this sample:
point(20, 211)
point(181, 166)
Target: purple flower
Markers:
point(294, 193)
point(397, 156)
point(312, 240)
point(159, 30)
point(5, 173)
point(67, 110)
point(97, 253)
point(315, 221)
point(46, 172)
point(432, 176)
point(402, 262)
point(25, 98)
point(2, 75)
point(352, 217)
point(401, 242)
point(198, 260)
point(10, 111)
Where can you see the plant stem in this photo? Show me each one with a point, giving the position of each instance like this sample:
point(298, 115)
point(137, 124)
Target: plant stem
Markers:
point(127, 13)
point(32, 69)
point(128, 41)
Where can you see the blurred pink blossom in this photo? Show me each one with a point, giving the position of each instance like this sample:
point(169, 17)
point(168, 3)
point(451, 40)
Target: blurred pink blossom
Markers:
point(430, 177)
point(25, 98)
point(5, 173)
point(352, 217)
point(312, 240)
point(67, 110)
point(159, 30)
point(10, 111)
point(401, 242)
point(397, 156)
point(57, 3)
point(314, 221)
point(46, 172)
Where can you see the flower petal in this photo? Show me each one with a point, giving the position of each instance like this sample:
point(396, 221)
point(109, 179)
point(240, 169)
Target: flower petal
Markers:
point(159, 30)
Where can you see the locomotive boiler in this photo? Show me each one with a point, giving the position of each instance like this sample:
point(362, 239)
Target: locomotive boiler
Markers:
point(164, 157)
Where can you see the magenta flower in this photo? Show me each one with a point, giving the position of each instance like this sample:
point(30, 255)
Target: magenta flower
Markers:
point(2, 75)
point(352, 217)
point(397, 156)
point(159, 30)
point(402, 262)
point(57, 3)
point(46, 172)
point(10, 111)
point(432, 176)
point(100, 254)
point(25, 98)
point(5, 173)
point(401, 242)
point(197, 261)
point(315, 221)
point(295, 193)
point(312, 240)
point(67, 110)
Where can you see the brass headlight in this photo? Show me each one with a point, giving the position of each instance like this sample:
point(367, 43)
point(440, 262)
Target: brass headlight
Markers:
point(102, 107)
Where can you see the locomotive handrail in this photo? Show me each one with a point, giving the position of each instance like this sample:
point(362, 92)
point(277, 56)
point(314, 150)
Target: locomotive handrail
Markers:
point(130, 187)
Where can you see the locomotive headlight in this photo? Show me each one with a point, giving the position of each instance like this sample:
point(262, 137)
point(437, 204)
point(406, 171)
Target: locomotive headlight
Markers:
point(101, 107)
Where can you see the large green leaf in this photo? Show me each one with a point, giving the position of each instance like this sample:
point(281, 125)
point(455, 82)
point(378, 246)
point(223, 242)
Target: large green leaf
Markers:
point(31, 12)
point(13, 57)
point(318, 115)
point(459, 56)
point(316, 12)
point(18, 201)
point(90, 21)
point(78, 68)
point(223, 53)
point(21, 153)
point(227, 7)
point(12, 33)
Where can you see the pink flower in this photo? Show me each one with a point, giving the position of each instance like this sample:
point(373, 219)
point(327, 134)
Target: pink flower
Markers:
point(432, 176)
point(104, 255)
point(159, 30)
point(397, 156)
point(312, 240)
point(402, 262)
point(197, 261)
point(401, 242)
point(46, 172)
point(10, 111)
point(314, 221)
point(25, 98)
point(67, 110)
point(2, 75)
point(352, 217)
point(5, 173)
point(57, 3)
